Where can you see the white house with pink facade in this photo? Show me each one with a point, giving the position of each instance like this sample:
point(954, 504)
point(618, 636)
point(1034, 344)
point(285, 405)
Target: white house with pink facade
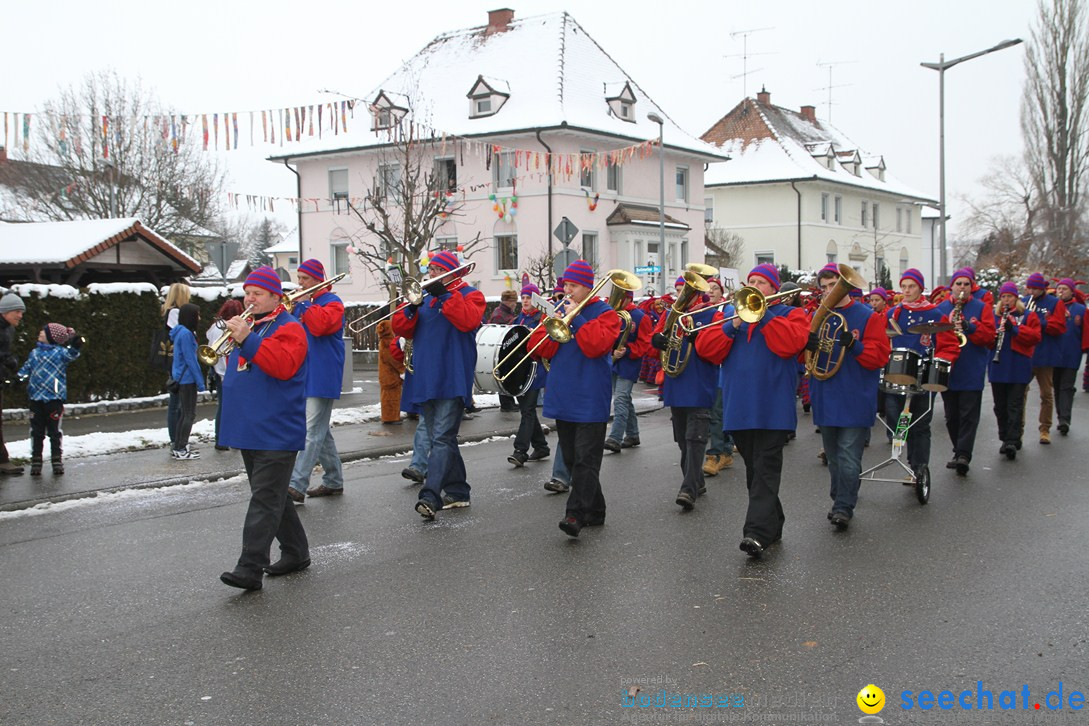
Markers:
point(532, 122)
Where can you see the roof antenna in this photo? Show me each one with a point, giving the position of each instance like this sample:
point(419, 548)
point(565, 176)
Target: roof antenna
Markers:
point(744, 55)
point(829, 87)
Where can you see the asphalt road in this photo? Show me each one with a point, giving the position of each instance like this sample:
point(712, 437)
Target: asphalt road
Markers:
point(112, 612)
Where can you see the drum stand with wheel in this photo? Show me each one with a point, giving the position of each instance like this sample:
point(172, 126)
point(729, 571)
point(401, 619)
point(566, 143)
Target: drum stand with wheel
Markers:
point(899, 444)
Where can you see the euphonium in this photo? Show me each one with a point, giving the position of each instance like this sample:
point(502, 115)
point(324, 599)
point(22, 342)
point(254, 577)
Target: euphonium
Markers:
point(820, 364)
point(617, 299)
point(209, 354)
point(675, 356)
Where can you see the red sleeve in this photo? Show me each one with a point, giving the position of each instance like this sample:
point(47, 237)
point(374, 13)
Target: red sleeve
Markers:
point(281, 354)
point(1028, 332)
point(545, 349)
point(1085, 330)
point(395, 352)
point(464, 311)
point(786, 335)
point(712, 344)
point(946, 345)
point(639, 344)
point(985, 330)
point(876, 345)
point(596, 336)
point(323, 319)
point(1056, 322)
point(404, 326)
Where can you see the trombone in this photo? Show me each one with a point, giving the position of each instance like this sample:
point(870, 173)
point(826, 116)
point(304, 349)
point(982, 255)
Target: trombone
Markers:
point(290, 299)
point(559, 329)
point(750, 303)
point(224, 344)
point(412, 292)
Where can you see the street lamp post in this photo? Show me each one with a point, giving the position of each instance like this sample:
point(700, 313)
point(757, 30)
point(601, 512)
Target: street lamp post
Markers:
point(661, 202)
point(941, 66)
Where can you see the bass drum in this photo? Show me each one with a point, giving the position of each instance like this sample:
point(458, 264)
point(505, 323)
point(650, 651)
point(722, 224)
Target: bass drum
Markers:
point(493, 343)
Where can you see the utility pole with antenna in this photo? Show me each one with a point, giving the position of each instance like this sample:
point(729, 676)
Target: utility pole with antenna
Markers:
point(830, 65)
point(744, 55)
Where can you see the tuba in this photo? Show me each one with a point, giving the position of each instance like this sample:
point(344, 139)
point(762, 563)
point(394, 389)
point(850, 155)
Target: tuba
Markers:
point(675, 356)
point(828, 324)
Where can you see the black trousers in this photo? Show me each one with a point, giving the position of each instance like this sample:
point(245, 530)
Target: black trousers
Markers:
point(529, 429)
point(187, 414)
point(962, 420)
point(1065, 384)
point(45, 420)
point(918, 439)
point(691, 427)
point(1009, 411)
point(271, 515)
point(583, 445)
point(762, 450)
point(3, 447)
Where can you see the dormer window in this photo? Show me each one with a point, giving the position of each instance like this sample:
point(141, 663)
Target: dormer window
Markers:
point(622, 102)
point(486, 97)
point(386, 113)
point(876, 167)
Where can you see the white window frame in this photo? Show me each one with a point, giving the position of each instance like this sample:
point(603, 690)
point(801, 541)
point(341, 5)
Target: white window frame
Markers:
point(899, 219)
point(838, 209)
point(875, 211)
point(445, 243)
point(864, 215)
point(442, 178)
point(686, 187)
point(499, 266)
point(503, 170)
point(614, 178)
point(591, 247)
point(910, 214)
point(389, 178)
point(766, 257)
point(336, 246)
point(708, 211)
point(587, 176)
point(336, 190)
point(824, 206)
point(482, 106)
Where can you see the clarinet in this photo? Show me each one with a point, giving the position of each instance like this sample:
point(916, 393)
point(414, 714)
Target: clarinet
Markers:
point(1001, 337)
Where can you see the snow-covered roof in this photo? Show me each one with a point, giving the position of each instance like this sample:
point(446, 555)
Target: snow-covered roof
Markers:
point(290, 243)
point(71, 243)
point(555, 73)
point(236, 269)
point(768, 143)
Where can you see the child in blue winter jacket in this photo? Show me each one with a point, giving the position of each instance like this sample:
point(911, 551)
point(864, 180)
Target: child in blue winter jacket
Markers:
point(190, 379)
point(47, 389)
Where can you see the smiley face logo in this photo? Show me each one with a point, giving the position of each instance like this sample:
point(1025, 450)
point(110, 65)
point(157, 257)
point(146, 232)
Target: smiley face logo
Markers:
point(871, 699)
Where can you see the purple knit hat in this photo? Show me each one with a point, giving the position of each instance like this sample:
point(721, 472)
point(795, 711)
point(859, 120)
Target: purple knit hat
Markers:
point(446, 259)
point(964, 272)
point(530, 289)
point(314, 268)
point(264, 277)
point(678, 281)
point(1069, 282)
point(580, 273)
point(558, 290)
point(831, 267)
point(768, 272)
point(882, 292)
point(1008, 288)
point(1037, 281)
point(915, 276)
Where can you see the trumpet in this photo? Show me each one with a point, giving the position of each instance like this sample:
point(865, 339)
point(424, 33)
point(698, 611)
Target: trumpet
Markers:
point(412, 292)
point(210, 354)
point(290, 299)
point(750, 303)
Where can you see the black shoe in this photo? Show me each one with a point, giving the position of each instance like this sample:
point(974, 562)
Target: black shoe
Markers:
point(472, 409)
point(508, 409)
point(961, 465)
point(555, 485)
point(518, 458)
point(570, 526)
point(751, 547)
point(702, 490)
point(1010, 451)
point(806, 407)
point(286, 568)
point(612, 445)
point(58, 468)
point(296, 496)
point(594, 521)
point(222, 448)
point(35, 468)
point(1064, 429)
point(629, 442)
point(830, 513)
point(413, 474)
point(685, 500)
point(241, 580)
point(840, 520)
point(425, 510)
point(952, 463)
point(539, 454)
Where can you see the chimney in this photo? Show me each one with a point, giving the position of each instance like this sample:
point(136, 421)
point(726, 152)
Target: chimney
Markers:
point(809, 113)
point(763, 97)
point(499, 21)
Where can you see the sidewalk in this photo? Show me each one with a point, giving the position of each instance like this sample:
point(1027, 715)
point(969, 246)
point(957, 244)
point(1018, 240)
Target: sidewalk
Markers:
point(153, 468)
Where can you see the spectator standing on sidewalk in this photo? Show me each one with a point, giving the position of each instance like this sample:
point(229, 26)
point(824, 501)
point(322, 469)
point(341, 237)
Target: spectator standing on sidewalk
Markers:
point(11, 314)
point(46, 372)
point(188, 378)
point(176, 296)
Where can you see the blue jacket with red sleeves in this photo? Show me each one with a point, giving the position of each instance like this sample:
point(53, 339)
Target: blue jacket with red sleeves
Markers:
point(264, 389)
point(582, 366)
point(638, 345)
point(849, 398)
point(1072, 337)
point(323, 320)
point(531, 322)
point(760, 370)
point(970, 369)
point(907, 315)
point(695, 386)
point(443, 334)
point(1018, 344)
point(1051, 312)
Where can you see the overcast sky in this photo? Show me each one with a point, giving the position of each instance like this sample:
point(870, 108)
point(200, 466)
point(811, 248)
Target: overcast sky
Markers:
point(202, 56)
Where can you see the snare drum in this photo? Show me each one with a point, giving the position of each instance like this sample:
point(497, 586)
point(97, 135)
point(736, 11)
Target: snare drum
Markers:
point(493, 343)
point(904, 367)
point(936, 376)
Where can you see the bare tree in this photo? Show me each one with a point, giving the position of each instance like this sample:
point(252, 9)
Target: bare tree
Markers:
point(107, 149)
point(540, 271)
point(726, 248)
point(406, 205)
point(1054, 114)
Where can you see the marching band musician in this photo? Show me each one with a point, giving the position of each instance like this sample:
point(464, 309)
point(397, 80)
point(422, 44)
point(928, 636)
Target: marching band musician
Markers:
point(879, 299)
point(1010, 369)
point(690, 394)
point(442, 329)
point(913, 310)
point(627, 361)
point(581, 404)
point(529, 428)
point(1048, 355)
point(264, 416)
point(1066, 373)
point(760, 374)
point(322, 317)
point(964, 397)
point(844, 405)
point(720, 446)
